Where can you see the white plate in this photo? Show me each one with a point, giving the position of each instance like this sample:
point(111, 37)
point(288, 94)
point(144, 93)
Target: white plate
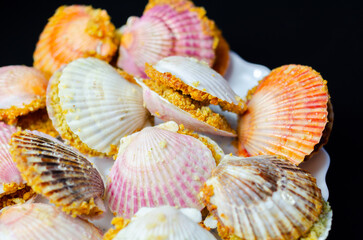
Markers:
point(242, 76)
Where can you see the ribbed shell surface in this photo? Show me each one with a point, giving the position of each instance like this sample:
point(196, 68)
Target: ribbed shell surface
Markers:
point(166, 29)
point(39, 221)
point(262, 197)
point(8, 171)
point(99, 105)
point(158, 167)
point(199, 76)
point(56, 171)
point(167, 223)
point(286, 115)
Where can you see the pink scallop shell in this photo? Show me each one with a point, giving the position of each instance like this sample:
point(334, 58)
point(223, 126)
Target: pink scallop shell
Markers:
point(158, 167)
point(8, 171)
point(164, 30)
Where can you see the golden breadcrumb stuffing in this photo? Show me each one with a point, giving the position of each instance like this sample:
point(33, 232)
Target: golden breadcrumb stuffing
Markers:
point(14, 194)
point(85, 208)
point(217, 157)
point(195, 108)
point(119, 223)
point(175, 83)
point(10, 115)
point(61, 123)
point(39, 121)
point(127, 76)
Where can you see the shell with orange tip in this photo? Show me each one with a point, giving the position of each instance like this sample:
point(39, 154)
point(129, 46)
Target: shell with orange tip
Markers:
point(39, 221)
point(264, 197)
point(288, 114)
point(59, 173)
point(74, 32)
point(13, 189)
point(167, 28)
point(22, 90)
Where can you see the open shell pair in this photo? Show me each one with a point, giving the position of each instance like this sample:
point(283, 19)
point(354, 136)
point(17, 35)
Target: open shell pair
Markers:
point(92, 106)
point(181, 88)
point(74, 32)
point(264, 197)
point(158, 166)
point(171, 28)
point(38, 221)
point(59, 173)
point(289, 114)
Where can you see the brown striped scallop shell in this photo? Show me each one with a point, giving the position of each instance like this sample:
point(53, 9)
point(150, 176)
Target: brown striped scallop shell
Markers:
point(59, 173)
point(262, 197)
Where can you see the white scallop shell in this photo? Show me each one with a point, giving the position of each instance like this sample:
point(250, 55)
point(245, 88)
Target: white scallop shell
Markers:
point(198, 75)
point(39, 221)
point(158, 167)
point(101, 106)
point(167, 223)
point(262, 197)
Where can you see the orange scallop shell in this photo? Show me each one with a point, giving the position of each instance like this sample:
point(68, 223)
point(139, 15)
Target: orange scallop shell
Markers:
point(286, 115)
point(74, 32)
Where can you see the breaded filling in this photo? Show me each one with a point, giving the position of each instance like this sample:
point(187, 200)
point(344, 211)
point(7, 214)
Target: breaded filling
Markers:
point(10, 115)
point(15, 194)
point(119, 223)
point(38, 121)
point(186, 103)
point(61, 123)
point(173, 82)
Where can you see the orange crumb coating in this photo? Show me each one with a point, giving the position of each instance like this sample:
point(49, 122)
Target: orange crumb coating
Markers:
point(84, 209)
point(10, 115)
point(14, 194)
point(38, 121)
point(61, 124)
point(119, 223)
point(195, 108)
point(217, 157)
point(127, 76)
point(176, 83)
point(74, 32)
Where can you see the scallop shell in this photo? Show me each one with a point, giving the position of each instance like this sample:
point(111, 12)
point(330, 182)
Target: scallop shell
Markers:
point(158, 167)
point(74, 32)
point(59, 173)
point(262, 197)
point(166, 223)
point(92, 106)
point(286, 115)
point(8, 171)
point(22, 90)
point(40, 221)
point(165, 29)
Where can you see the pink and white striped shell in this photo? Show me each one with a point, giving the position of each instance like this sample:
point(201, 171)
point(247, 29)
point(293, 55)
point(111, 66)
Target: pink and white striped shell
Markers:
point(38, 221)
point(157, 167)
point(8, 170)
point(262, 197)
point(165, 29)
point(167, 223)
point(59, 173)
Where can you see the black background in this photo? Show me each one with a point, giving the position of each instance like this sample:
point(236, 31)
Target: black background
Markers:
point(324, 35)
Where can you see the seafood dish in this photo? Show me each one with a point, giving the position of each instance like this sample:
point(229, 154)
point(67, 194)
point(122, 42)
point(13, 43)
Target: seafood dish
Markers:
point(156, 130)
